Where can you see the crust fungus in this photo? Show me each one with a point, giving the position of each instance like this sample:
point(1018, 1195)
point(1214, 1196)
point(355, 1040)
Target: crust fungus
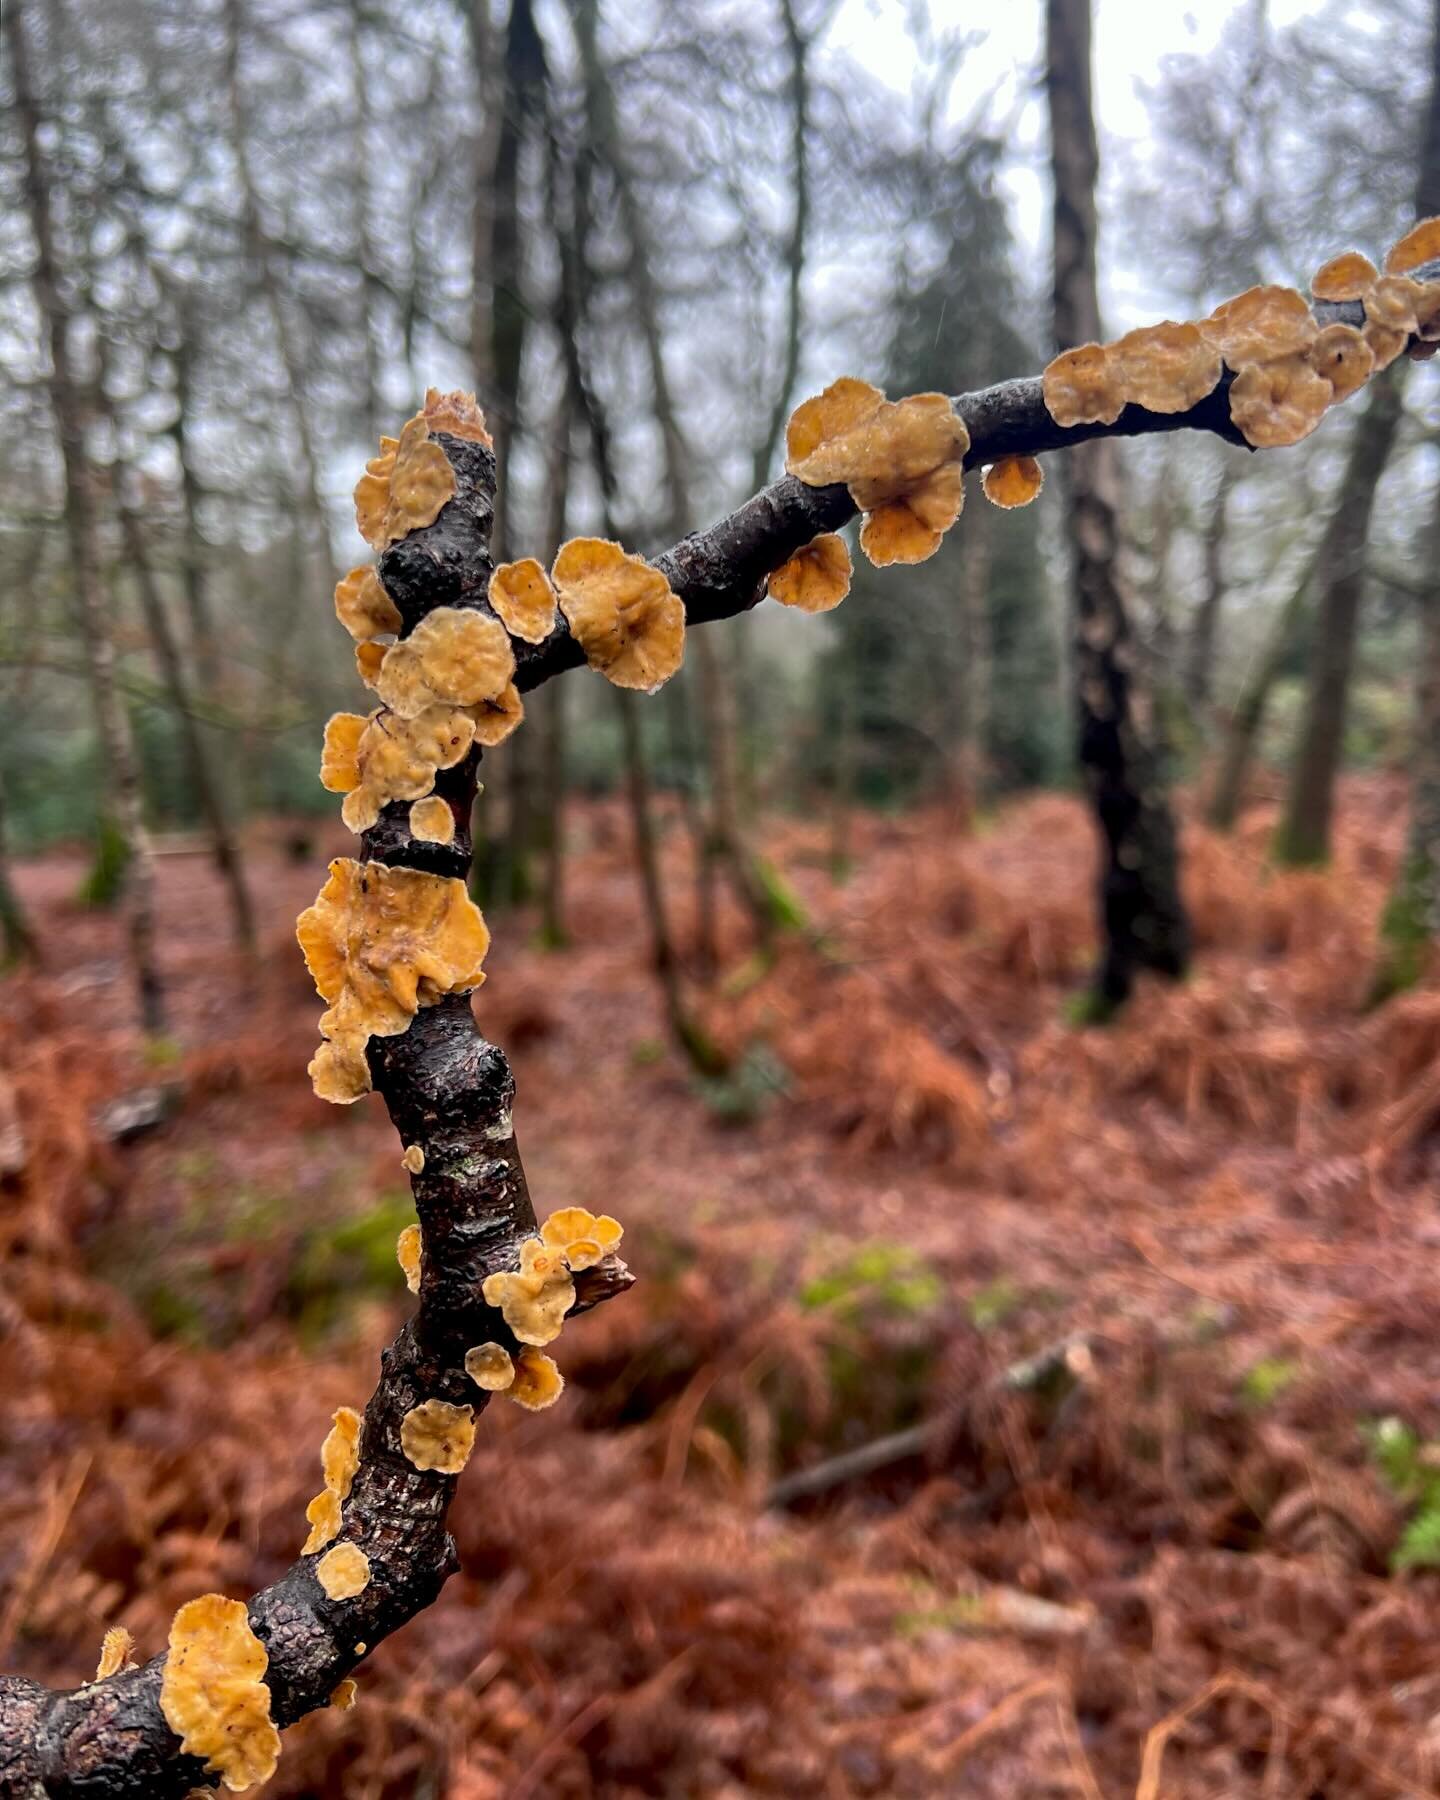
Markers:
point(538, 1383)
point(1260, 325)
point(115, 1648)
point(380, 943)
point(495, 719)
point(580, 1237)
point(1421, 244)
point(1385, 342)
point(622, 612)
point(524, 600)
point(212, 1692)
point(1013, 481)
point(339, 758)
point(343, 1572)
point(817, 576)
point(1343, 357)
point(396, 759)
point(346, 1694)
point(900, 459)
point(1166, 368)
point(407, 1254)
point(369, 660)
point(363, 607)
point(431, 821)
point(1279, 402)
point(454, 656)
point(404, 487)
point(413, 1161)
point(436, 1435)
point(1081, 387)
point(340, 1453)
point(457, 414)
point(535, 1299)
point(1346, 277)
point(490, 1367)
point(323, 1516)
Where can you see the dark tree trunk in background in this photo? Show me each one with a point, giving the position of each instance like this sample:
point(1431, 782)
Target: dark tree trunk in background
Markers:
point(1198, 675)
point(18, 942)
point(1303, 836)
point(971, 761)
point(121, 778)
point(1412, 919)
point(1143, 916)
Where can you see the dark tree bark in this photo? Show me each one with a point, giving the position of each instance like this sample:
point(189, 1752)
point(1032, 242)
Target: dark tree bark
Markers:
point(18, 942)
point(122, 773)
point(1143, 916)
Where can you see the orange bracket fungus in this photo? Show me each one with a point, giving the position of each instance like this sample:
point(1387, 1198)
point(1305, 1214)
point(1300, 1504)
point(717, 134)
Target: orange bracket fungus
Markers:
point(537, 1384)
point(535, 1298)
point(523, 599)
point(580, 1237)
point(339, 1459)
point(345, 1695)
point(404, 487)
point(621, 612)
point(900, 459)
point(490, 1366)
point(431, 821)
point(343, 1572)
point(817, 576)
point(363, 607)
point(115, 1648)
point(396, 759)
point(407, 1252)
point(1346, 277)
point(1081, 387)
point(1013, 481)
point(438, 1435)
point(413, 1161)
point(212, 1693)
point(453, 657)
point(1166, 368)
point(1421, 244)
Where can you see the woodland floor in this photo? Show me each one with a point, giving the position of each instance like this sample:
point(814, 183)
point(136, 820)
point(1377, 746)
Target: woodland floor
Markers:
point(1165, 1570)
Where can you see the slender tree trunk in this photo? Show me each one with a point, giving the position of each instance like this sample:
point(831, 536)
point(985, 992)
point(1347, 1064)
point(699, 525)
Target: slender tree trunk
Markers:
point(1303, 836)
point(196, 568)
point(798, 48)
point(1143, 916)
point(18, 942)
point(1242, 729)
point(225, 849)
point(371, 345)
point(552, 754)
point(976, 669)
point(1198, 675)
point(122, 772)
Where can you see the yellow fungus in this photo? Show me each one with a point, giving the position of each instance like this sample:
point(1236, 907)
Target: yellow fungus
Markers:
point(453, 657)
point(363, 607)
point(397, 758)
point(369, 660)
point(490, 1367)
point(535, 1298)
point(1346, 277)
point(524, 600)
point(413, 1160)
point(457, 414)
point(1384, 341)
point(405, 487)
point(1342, 356)
point(343, 1572)
point(621, 611)
point(496, 719)
point(339, 762)
point(1260, 325)
point(1081, 387)
point(345, 1695)
point(538, 1383)
point(115, 1648)
point(323, 1514)
point(339, 1071)
point(1279, 402)
point(380, 943)
point(817, 576)
point(581, 1237)
point(431, 821)
point(1013, 481)
point(340, 1453)
point(212, 1692)
point(910, 530)
point(436, 1435)
point(407, 1254)
point(1421, 244)
point(1166, 368)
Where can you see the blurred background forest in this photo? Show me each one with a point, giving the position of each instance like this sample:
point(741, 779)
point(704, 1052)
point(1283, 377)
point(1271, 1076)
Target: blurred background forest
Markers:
point(994, 1384)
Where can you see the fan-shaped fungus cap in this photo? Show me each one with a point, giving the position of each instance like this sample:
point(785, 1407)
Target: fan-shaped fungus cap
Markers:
point(345, 1695)
point(535, 1299)
point(1345, 277)
point(1279, 402)
point(1421, 244)
point(407, 1253)
point(457, 414)
point(363, 607)
point(413, 1161)
point(1259, 325)
point(845, 407)
point(1384, 341)
point(436, 1435)
point(538, 1383)
point(1394, 302)
point(1082, 387)
point(340, 1453)
point(1343, 357)
point(404, 487)
point(212, 1694)
point(817, 576)
point(380, 942)
point(521, 594)
point(323, 1515)
point(910, 529)
point(339, 764)
point(339, 1071)
point(490, 1367)
point(622, 612)
point(1013, 481)
point(369, 660)
point(431, 821)
point(580, 1236)
point(397, 759)
point(496, 719)
point(343, 1572)
point(115, 1648)
point(454, 655)
point(1166, 368)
